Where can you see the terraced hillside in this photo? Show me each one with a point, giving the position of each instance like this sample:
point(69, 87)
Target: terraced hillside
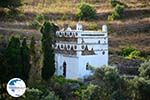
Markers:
point(133, 29)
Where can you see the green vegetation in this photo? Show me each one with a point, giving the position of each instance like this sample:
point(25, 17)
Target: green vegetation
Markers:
point(37, 22)
point(131, 53)
point(25, 60)
point(10, 4)
point(15, 62)
point(126, 51)
point(144, 70)
point(48, 30)
point(37, 94)
point(107, 84)
point(114, 3)
point(86, 12)
point(35, 59)
point(93, 26)
point(117, 13)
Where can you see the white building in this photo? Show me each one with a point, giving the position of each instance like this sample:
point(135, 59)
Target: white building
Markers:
point(76, 50)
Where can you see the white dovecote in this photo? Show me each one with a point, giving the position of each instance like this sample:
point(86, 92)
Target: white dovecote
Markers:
point(75, 48)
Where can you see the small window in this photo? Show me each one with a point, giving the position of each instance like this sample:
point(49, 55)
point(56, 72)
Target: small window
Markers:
point(68, 46)
point(103, 52)
point(70, 33)
point(61, 46)
point(87, 66)
point(82, 46)
point(75, 47)
point(76, 34)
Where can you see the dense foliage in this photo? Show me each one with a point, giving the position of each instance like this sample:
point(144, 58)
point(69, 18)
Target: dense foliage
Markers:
point(37, 21)
point(25, 60)
point(15, 61)
point(10, 4)
point(108, 85)
point(35, 59)
point(86, 12)
point(48, 30)
point(115, 2)
point(37, 94)
point(117, 13)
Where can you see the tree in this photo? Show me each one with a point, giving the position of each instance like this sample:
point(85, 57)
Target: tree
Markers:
point(140, 85)
point(10, 4)
point(48, 32)
point(145, 70)
point(86, 12)
point(111, 85)
point(35, 55)
point(13, 55)
point(25, 60)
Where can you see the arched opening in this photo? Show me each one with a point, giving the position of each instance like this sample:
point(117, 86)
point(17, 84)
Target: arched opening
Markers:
point(64, 69)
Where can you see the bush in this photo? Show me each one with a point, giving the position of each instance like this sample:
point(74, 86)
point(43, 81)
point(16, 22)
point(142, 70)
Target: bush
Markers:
point(93, 26)
point(40, 18)
point(61, 80)
point(119, 9)
point(37, 94)
point(126, 51)
point(10, 4)
point(13, 14)
point(64, 17)
point(37, 22)
point(145, 69)
point(131, 53)
point(86, 12)
point(117, 13)
point(114, 3)
point(134, 54)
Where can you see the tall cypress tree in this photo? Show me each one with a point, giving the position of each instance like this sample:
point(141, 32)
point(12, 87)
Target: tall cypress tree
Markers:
point(48, 30)
point(25, 60)
point(14, 66)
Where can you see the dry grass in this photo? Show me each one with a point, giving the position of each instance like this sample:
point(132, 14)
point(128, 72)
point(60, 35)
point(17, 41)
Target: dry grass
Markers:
point(140, 41)
point(52, 8)
point(70, 6)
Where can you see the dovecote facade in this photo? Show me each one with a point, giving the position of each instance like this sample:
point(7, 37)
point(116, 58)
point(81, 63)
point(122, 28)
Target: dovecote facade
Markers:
point(75, 50)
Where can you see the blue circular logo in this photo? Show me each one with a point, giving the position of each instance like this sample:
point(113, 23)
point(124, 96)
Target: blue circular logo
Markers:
point(16, 87)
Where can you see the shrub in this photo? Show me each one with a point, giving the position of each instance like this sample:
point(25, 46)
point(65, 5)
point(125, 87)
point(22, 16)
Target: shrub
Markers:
point(119, 9)
point(61, 80)
point(37, 94)
point(145, 69)
point(131, 53)
point(10, 4)
point(64, 17)
point(114, 3)
point(93, 26)
point(86, 12)
point(117, 13)
point(134, 54)
point(13, 14)
point(126, 51)
point(37, 22)
point(40, 18)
